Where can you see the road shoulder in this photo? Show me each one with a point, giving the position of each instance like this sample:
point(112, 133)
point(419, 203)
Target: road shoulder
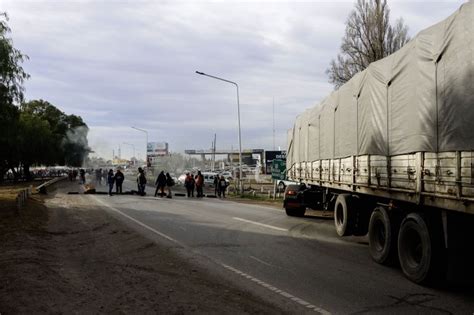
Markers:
point(67, 255)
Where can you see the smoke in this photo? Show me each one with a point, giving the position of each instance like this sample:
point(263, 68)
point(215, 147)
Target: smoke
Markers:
point(77, 135)
point(75, 145)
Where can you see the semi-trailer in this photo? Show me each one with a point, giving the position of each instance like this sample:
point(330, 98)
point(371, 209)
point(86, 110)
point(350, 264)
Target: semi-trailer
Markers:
point(391, 152)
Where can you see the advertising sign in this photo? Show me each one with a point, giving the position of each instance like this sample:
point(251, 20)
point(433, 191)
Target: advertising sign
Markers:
point(155, 149)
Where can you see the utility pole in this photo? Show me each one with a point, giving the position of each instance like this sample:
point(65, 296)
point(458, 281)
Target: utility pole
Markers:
point(214, 154)
point(241, 187)
point(273, 109)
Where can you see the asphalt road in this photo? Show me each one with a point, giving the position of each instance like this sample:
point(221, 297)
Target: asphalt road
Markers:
point(298, 260)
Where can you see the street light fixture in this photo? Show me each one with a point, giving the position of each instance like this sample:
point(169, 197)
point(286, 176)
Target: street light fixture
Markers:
point(133, 146)
point(238, 116)
point(146, 145)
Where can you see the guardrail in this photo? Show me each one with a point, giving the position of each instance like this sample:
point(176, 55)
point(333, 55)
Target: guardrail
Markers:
point(42, 188)
point(22, 196)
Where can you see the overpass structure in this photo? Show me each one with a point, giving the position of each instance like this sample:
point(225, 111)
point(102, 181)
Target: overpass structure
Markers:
point(232, 155)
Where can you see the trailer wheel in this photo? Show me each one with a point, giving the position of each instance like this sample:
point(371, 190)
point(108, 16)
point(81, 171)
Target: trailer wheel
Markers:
point(419, 250)
point(343, 215)
point(382, 238)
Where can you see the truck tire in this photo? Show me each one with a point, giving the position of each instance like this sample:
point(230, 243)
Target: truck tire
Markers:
point(382, 237)
point(344, 215)
point(298, 212)
point(419, 251)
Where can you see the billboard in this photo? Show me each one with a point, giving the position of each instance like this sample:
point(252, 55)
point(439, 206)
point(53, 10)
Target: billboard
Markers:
point(155, 149)
point(273, 155)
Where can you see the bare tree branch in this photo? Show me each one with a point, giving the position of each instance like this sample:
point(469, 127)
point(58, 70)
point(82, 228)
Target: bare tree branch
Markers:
point(369, 37)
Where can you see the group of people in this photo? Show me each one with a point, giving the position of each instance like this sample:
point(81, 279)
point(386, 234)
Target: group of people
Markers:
point(192, 182)
point(164, 181)
point(72, 175)
point(100, 175)
point(220, 186)
point(116, 179)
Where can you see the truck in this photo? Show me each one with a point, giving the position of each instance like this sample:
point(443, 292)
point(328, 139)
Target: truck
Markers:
point(391, 152)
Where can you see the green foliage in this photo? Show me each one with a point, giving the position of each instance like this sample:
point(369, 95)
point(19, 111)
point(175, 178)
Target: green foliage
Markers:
point(68, 135)
point(35, 140)
point(9, 116)
point(12, 74)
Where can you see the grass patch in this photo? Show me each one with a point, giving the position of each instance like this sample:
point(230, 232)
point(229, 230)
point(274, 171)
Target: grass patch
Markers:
point(9, 192)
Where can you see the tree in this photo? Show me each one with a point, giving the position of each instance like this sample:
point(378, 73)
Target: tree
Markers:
point(35, 141)
point(12, 77)
point(368, 38)
point(12, 74)
point(68, 133)
point(9, 116)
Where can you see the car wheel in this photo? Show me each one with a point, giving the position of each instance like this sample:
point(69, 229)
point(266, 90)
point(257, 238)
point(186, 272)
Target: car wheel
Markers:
point(281, 186)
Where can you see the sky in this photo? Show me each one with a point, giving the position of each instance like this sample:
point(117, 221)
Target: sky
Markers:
point(124, 63)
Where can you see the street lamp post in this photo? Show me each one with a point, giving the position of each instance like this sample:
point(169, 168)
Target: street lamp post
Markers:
point(238, 117)
point(133, 146)
point(146, 144)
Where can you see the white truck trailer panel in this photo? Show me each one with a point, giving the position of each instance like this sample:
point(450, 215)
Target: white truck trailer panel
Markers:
point(401, 129)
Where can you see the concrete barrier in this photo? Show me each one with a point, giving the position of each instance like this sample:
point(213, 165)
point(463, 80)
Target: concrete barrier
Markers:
point(42, 188)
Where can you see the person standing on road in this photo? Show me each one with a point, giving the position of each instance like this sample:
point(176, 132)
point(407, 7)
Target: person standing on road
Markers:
point(82, 176)
point(119, 178)
point(141, 182)
point(104, 176)
point(169, 184)
point(110, 181)
point(199, 184)
point(160, 184)
point(186, 185)
point(98, 176)
point(222, 186)
point(216, 185)
point(189, 183)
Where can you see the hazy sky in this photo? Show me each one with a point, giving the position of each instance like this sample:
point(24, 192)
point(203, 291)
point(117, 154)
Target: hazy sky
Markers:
point(121, 63)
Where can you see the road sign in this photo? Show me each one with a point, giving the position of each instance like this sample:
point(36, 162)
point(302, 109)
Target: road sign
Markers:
point(273, 155)
point(278, 169)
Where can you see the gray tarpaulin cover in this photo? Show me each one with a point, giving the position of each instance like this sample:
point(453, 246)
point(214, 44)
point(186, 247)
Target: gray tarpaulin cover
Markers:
point(420, 98)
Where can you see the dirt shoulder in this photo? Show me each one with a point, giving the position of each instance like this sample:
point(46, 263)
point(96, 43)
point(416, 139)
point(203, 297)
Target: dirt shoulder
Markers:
point(62, 255)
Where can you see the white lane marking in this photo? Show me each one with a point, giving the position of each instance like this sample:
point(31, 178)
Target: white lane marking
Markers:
point(261, 224)
point(278, 291)
point(138, 222)
point(261, 261)
point(253, 279)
